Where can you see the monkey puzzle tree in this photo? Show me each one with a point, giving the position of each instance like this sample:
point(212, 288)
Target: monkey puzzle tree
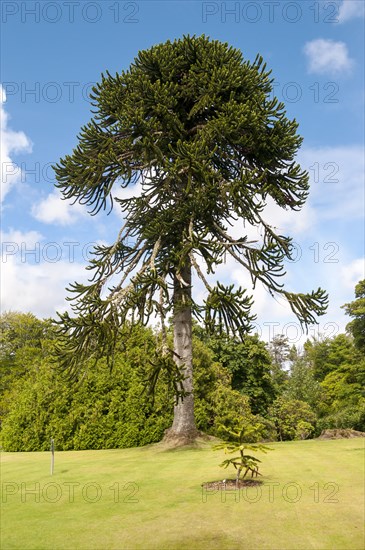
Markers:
point(197, 127)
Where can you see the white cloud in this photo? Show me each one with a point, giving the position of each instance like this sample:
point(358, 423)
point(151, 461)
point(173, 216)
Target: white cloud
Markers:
point(39, 288)
point(289, 221)
point(351, 274)
point(274, 315)
point(337, 181)
point(339, 280)
point(336, 193)
point(327, 57)
point(336, 198)
point(10, 142)
point(53, 209)
point(350, 9)
point(29, 239)
point(31, 279)
point(132, 190)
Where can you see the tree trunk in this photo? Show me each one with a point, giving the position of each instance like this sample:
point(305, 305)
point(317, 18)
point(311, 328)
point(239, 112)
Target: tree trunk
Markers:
point(183, 429)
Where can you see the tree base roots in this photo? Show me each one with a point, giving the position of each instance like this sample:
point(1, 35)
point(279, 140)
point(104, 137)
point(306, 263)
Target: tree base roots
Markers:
point(187, 437)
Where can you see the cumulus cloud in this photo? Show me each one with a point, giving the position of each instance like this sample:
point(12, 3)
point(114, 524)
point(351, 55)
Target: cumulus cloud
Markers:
point(53, 209)
point(350, 9)
point(38, 288)
point(10, 142)
point(327, 57)
point(352, 273)
point(336, 196)
point(336, 193)
point(337, 181)
point(290, 221)
point(34, 273)
point(274, 315)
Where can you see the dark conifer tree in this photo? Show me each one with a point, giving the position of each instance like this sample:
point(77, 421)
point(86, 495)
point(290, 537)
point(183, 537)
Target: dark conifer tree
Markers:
point(196, 125)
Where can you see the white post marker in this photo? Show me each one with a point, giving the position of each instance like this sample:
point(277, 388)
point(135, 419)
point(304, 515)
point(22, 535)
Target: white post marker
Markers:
point(52, 456)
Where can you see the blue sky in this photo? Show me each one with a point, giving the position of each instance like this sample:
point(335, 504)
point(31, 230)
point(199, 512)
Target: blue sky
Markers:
point(54, 51)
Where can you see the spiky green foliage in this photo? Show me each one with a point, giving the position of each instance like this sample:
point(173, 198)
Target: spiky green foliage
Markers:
point(196, 126)
point(243, 461)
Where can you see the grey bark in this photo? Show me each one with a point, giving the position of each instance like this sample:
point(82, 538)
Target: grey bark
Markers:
point(183, 426)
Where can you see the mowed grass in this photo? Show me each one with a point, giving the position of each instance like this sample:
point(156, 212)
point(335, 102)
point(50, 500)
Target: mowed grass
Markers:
point(312, 496)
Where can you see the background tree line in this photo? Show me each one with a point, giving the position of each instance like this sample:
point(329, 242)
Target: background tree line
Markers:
point(281, 392)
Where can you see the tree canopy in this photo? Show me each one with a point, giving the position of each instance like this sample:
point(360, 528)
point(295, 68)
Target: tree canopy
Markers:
point(356, 309)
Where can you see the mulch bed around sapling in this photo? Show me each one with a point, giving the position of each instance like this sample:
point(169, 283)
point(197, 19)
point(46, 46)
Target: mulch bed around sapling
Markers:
point(230, 484)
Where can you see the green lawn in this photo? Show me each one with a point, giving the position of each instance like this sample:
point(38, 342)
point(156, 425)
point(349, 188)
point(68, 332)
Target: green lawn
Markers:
point(312, 497)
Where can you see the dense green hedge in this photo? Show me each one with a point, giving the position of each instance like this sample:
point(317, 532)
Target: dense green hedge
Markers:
point(233, 385)
point(105, 410)
point(113, 409)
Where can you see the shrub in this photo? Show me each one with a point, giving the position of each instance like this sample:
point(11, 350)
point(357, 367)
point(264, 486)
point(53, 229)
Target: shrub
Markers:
point(352, 417)
point(294, 419)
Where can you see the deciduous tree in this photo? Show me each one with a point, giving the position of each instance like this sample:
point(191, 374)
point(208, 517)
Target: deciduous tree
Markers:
point(356, 309)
